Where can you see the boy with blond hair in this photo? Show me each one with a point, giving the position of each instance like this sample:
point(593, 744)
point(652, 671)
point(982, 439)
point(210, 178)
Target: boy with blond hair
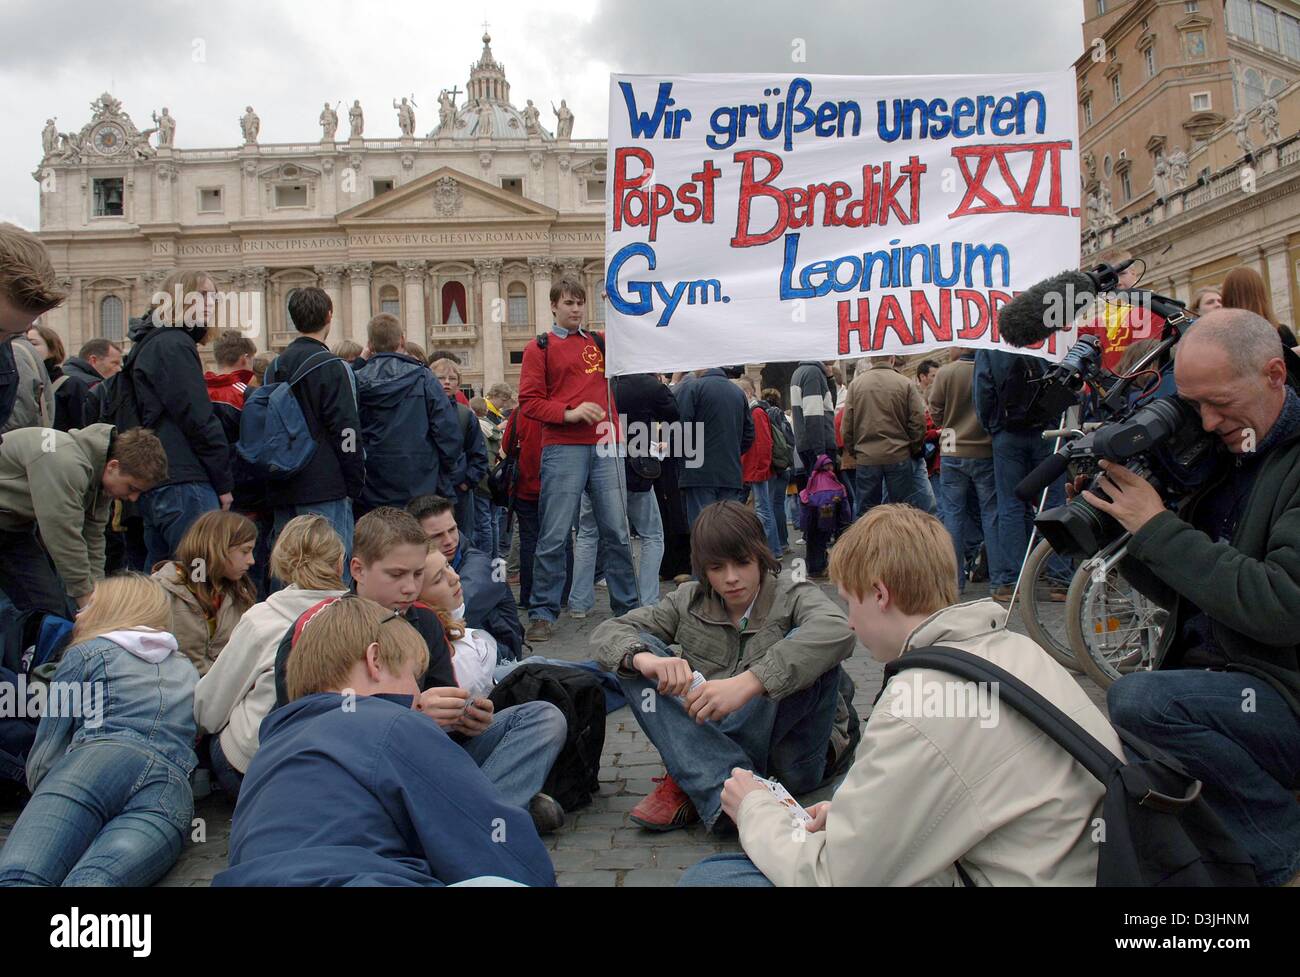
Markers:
point(352, 786)
point(989, 791)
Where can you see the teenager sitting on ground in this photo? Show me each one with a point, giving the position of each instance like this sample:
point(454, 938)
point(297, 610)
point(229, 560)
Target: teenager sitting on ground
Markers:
point(208, 584)
point(473, 650)
point(770, 652)
point(515, 747)
point(984, 788)
point(111, 802)
point(56, 490)
point(238, 691)
point(352, 786)
point(489, 602)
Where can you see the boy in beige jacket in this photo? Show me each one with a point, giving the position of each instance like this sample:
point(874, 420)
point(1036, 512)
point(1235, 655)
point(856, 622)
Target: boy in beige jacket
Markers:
point(975, 784)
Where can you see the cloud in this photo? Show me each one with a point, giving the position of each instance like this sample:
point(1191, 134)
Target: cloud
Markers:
point(286, 58)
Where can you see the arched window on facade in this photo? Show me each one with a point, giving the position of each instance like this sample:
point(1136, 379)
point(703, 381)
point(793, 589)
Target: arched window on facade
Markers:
point(517, 304)
point(110, 319)
point(1252, 84)
point(454, 305)
point(389, 301)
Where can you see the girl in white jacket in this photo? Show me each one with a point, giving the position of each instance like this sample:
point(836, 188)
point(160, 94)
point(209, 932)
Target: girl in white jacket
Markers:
point(238, 691)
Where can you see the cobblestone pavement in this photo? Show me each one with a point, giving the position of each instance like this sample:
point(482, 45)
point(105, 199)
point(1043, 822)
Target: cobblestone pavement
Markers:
point(598, 845)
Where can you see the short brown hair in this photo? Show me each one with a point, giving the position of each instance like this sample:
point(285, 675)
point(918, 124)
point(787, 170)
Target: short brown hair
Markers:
point(140, 455)
point(728, 531)
point(415, 350)
point(336, 637)
point(310, 308)
point(382, 530)
point(347, 350)
point(446, 364)
point(231, 346)
point(98, 348)
point(903, 548)
point(27, 276)
point(567, 286)
point(308, 554)
point(384, 333)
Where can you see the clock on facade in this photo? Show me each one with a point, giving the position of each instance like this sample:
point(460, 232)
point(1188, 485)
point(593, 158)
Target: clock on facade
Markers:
point(109, 139)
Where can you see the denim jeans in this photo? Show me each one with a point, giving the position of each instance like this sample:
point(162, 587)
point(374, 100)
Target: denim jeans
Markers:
point(29, 578)
point(783, 740)
point(568, 470)
point(1247, 761)
point(730, 870)
point(517, 751)
point(228, 778)
point(586, 552)
point(699, 496)
point(643, 513)
point(466, 517)
point(1015, 455)
point(763, 506)
point(168, 511)
point(485, 526)
point(526, 519)
point(503, 537)
point(339, 515)
point(901, 481)
point(776, 486)
point(107, 814)
point(957, 478)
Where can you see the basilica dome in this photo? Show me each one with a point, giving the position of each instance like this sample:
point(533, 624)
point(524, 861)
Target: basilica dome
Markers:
point(487, 110)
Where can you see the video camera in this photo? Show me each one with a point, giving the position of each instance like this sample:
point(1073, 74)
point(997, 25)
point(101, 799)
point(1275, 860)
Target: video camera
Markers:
point(1161, 441)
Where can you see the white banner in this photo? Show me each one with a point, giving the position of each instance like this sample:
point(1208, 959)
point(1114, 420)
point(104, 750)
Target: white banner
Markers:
point(757, 218)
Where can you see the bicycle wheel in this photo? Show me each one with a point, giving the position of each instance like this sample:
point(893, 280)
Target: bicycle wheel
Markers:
point(1113, 629)
point(1044, 618)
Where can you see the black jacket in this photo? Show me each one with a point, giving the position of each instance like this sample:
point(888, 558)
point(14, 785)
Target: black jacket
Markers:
point(172, 397)
point(327, 402)
point(75, 366)
point(641, 398)
point(73, 408)
point(8, 380)
point(472, 462)
point(720, 408)
point(409, 429)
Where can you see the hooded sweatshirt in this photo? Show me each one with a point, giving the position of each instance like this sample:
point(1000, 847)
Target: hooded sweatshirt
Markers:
point(59, 491)
point(238, 691)
point(228, 388)
point(372, 793)
point(409, 429)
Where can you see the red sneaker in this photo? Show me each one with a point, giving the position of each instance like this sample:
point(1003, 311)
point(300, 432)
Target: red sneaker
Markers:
point(667, 809)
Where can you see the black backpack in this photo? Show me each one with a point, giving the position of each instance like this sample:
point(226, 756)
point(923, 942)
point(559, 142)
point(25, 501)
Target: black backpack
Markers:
point(1159, 830)
point(580, 696)
point(1028, 405)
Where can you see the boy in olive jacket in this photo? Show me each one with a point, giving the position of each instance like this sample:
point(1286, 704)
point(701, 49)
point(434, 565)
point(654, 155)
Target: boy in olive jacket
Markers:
point(768, 652)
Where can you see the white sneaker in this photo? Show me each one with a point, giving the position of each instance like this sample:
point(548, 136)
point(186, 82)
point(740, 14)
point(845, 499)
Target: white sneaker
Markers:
point(577, 614)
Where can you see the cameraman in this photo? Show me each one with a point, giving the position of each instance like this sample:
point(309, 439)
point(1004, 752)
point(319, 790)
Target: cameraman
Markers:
point(1226, 696)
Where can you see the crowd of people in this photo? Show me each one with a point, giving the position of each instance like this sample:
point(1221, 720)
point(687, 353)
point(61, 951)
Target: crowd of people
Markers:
point(302, 579)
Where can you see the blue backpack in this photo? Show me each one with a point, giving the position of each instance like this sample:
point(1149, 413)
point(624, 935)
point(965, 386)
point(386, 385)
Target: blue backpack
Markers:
point(274, 436)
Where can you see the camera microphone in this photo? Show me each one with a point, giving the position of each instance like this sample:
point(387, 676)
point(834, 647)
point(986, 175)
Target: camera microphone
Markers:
point(1051, 305)
point(1052, 468)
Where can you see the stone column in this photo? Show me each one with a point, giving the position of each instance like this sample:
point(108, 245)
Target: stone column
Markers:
point(1279, 279)
point(60, 319)
point(489, 270)
point(165, 206)
point(413, 305)
point(331, 280)
point(1183, 287)
point(255, 285)
point(1252, 258)
point(359, 277)
point(541, 268)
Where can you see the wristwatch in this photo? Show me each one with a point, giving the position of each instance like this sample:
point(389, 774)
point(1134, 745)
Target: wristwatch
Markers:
point(625, 665)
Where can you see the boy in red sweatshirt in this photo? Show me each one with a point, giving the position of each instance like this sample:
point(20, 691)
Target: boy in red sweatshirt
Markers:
point(562, 386)
point(234, 354)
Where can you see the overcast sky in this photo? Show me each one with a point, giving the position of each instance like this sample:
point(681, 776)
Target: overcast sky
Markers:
point(205, 61)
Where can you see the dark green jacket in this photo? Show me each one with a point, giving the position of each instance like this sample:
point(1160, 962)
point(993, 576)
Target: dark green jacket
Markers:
point(1249, 588)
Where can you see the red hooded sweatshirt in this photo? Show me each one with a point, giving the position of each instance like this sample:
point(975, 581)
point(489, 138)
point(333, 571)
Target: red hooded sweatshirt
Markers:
point(757, 461)
point(228, 388)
